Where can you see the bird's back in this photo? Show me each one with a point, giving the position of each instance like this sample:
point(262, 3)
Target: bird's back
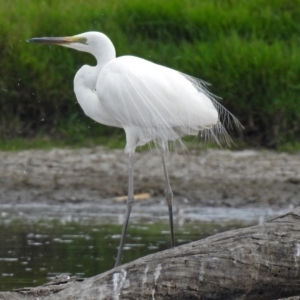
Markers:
point(153, 102)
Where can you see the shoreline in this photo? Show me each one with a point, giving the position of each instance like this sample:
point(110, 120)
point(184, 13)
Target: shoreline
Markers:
point(85, 182)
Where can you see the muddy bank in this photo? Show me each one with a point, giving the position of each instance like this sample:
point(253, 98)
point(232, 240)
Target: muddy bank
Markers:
point(90, 178)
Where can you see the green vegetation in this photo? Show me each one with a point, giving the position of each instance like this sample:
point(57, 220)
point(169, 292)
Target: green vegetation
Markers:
point(247, 50)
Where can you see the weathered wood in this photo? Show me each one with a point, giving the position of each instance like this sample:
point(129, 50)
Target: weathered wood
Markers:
point(260, 262)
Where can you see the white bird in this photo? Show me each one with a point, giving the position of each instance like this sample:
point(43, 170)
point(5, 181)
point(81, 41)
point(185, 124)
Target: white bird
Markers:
point(152, 103)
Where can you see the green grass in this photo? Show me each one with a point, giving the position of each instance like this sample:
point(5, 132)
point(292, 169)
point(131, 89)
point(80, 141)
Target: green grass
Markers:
point(45, 143)
point(290, 147)
point(247, 50)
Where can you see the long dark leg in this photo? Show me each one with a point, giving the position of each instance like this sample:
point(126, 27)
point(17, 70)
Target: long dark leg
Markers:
point(169, 198)
point(129, 203)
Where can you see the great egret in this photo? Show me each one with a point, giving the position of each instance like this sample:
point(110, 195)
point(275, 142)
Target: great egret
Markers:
point(152, 103)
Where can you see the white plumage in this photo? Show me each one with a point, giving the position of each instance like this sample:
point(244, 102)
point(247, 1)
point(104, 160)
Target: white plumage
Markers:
point(151, 102)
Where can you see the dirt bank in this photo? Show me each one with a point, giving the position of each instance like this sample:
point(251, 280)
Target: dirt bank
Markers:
point(206, 178)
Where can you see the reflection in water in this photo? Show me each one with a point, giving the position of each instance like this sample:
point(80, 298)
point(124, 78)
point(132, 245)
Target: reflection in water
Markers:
point(33, 253)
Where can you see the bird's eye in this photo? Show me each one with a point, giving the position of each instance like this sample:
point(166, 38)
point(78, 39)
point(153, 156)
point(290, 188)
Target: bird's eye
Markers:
point(83, 40)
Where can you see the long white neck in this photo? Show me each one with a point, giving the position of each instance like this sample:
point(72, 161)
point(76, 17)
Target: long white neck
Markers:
point(103, 50)
point(101, 47)
point(85, 90)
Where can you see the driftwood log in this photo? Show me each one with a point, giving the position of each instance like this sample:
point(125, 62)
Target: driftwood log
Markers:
point(260, 262)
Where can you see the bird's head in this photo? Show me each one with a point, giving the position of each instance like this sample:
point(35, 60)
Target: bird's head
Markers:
point(92, 42)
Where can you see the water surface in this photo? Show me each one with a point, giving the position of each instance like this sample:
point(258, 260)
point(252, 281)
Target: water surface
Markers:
point(31, 253)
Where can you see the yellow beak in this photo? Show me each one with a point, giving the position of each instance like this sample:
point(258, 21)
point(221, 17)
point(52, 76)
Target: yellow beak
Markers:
point(56, 40)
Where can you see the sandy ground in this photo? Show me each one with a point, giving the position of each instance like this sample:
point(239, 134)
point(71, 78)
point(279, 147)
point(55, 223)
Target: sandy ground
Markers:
point(88, 180)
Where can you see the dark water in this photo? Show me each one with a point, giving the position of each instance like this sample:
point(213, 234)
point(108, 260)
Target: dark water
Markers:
point(33, 253)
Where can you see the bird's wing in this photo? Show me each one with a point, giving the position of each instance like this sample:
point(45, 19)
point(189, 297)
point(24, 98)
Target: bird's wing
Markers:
point(158, 103)
point(140, 93)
